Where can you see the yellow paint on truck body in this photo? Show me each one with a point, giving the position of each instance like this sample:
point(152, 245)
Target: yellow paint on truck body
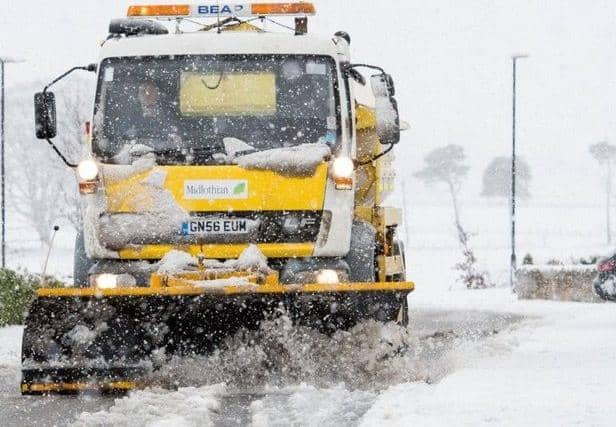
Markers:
point(267, 190)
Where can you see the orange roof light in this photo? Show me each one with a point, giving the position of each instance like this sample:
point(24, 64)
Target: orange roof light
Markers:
point(159, 10)
point(282, 9)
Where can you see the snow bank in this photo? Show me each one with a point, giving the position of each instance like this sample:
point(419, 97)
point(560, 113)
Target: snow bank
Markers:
point(301, 160)
point(159, 408)
point(582, 268)
point(557, 282)
point(10, 349)
point(557, 369)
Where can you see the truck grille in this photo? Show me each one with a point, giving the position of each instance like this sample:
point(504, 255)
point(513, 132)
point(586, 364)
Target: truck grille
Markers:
point(301, 226)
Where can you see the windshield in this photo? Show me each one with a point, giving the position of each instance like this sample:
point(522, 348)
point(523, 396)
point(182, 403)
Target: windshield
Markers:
point(181, 108)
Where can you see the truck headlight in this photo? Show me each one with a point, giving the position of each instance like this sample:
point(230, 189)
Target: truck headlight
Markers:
point(342, 173)
point(112, 281)
point(87, 170)
point(105, 281)
point(343, 167)
point(327, 277)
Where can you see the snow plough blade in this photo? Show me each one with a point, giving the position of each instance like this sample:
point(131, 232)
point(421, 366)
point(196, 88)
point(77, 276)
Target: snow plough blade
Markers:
point(79, 339)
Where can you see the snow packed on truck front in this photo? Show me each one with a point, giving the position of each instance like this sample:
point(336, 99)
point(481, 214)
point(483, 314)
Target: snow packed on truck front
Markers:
point(208, 153)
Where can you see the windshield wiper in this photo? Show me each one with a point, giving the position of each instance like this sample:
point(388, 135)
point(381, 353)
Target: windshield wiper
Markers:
point(244, 152)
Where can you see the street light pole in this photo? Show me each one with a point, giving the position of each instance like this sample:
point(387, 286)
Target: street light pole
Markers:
point(512, 266)
point(3, 61)
point(2, 162)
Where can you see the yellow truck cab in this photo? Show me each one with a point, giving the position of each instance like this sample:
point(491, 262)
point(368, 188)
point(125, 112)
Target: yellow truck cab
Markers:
point(224, 160)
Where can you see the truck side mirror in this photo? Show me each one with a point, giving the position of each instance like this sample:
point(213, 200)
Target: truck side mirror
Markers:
point(386, 109)
point(45, 115)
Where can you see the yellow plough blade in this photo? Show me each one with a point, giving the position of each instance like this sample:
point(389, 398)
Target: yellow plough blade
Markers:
point(78, 339)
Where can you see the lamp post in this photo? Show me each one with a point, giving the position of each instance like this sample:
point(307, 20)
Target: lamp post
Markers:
point(512, 266)
point(3, 61)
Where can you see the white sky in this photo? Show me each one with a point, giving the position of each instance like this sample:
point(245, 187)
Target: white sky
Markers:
point(451, 62)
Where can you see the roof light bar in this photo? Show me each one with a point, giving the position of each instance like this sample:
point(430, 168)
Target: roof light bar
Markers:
point(214, 10)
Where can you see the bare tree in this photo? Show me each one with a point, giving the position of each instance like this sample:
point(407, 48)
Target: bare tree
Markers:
point(445, 166)
point(605, 153)
point(497, 178)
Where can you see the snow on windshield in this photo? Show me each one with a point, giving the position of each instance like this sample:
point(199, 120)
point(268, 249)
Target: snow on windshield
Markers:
point(301, 160)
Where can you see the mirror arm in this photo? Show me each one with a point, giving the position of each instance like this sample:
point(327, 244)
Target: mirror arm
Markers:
point(90, 67)
point(378, 156)
point(374, 67)
point(59, 153)
point(350, 71)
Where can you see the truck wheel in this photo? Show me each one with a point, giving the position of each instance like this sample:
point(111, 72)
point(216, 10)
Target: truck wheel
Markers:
point(403, 313)
point(82, 263)
point(361, 260)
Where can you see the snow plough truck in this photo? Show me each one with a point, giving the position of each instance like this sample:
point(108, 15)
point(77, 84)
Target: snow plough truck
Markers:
point(235, 168)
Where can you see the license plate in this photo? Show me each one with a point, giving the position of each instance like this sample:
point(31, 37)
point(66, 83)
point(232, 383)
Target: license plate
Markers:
point(215, 226)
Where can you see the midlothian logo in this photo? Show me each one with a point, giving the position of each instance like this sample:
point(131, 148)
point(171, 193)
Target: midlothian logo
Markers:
point(239, 188)
point(211, 189)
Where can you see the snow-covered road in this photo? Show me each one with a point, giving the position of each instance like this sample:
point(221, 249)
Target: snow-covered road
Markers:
point(477, 358)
